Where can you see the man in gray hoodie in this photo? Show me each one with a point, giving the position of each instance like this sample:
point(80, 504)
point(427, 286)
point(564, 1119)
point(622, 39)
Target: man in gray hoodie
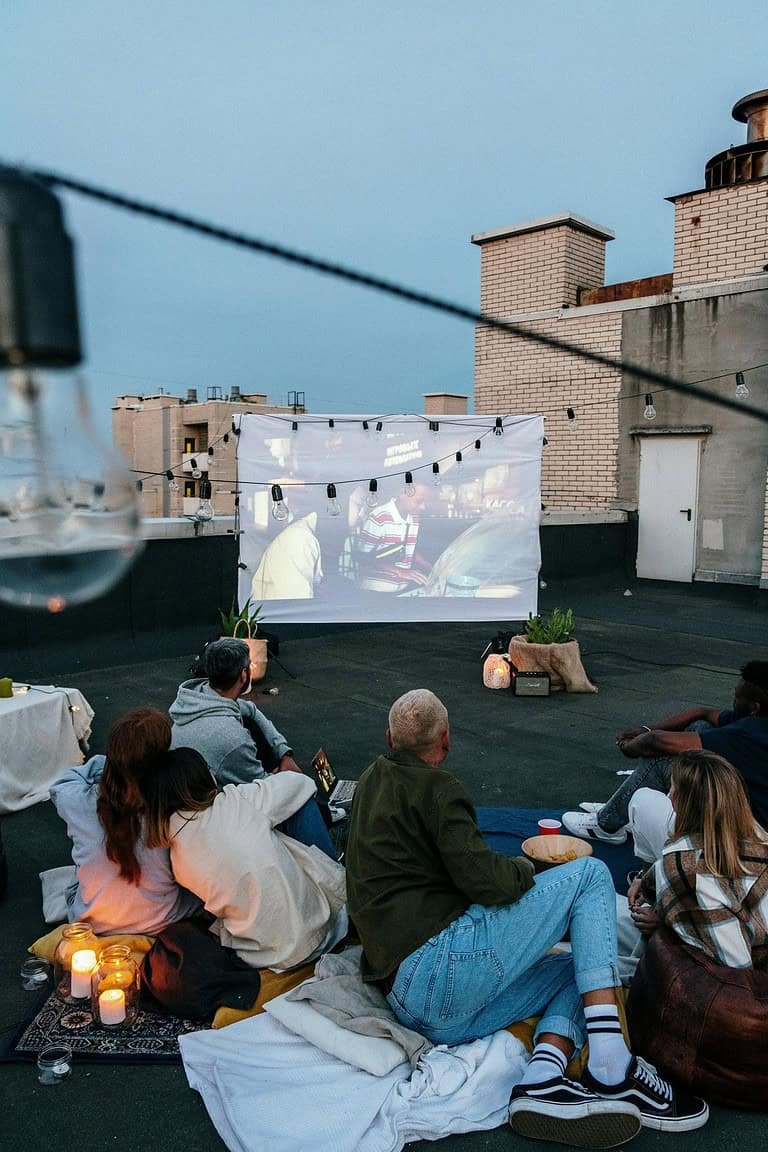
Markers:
point(236, 740)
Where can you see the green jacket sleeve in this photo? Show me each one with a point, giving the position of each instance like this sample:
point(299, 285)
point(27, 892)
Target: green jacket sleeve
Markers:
point(482, 875)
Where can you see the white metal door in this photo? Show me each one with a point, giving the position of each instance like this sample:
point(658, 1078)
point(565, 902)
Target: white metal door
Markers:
point(669, 483)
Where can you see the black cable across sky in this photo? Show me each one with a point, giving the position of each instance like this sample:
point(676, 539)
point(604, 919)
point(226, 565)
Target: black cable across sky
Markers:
point(386, 287)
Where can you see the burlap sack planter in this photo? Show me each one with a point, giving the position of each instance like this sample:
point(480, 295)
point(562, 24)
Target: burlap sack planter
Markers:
point(562, 663)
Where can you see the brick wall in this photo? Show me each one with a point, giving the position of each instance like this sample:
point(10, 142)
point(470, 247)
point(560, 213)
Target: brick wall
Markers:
point(541, 269)
point(579, 461)
point(722, 234)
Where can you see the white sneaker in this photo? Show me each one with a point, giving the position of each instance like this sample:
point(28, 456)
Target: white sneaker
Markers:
point(585, 825)
point(591, 805)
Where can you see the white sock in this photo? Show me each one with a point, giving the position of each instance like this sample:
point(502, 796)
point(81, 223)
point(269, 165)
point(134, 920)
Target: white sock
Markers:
point(609, 1056)
point(546, 1063)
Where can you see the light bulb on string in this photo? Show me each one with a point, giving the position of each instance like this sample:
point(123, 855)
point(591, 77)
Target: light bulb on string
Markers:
point(436, 474)
point(196, 471)
point(477, 445)
point(372, 498)
point(379, 425)
point(365, 426)
point(210, 453)
point(205, 508)
point(742, 391)
point(410, 487)
point(173, 484)
point(279, 506)
point(544, 442)
point(434, 425)
point(498, 428)
point(459, 462)
point(294, 426)
point(69, 508)
point(333, 506)
point(331, 423)
point(649, 412)
point(571, 417)
point(225, 437)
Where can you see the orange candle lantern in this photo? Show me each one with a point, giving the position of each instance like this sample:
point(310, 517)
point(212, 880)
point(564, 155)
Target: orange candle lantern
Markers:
point(496, 673)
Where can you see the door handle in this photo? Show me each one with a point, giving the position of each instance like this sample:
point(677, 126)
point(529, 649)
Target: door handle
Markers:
point(687, 512)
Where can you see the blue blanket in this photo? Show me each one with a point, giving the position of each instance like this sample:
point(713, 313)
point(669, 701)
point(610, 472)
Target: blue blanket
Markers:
point(506, 828)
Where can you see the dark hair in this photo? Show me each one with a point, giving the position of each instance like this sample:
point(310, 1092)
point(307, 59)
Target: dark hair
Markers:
point(225, 661)
point(182, 782)
point(755, 676)
point(135, 742)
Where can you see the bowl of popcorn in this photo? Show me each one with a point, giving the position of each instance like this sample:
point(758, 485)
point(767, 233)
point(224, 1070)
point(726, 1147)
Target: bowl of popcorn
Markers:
point(549, 851)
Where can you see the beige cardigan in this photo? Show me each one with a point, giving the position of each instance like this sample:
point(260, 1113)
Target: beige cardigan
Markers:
point(275, 899)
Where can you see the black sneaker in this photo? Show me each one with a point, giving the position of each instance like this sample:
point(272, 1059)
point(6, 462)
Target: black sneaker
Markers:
point(564, 1111)
point(660, 1105)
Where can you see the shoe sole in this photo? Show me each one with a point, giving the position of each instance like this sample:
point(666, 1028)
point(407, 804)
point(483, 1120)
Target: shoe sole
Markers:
point(585, 1126)
point(684, 1124)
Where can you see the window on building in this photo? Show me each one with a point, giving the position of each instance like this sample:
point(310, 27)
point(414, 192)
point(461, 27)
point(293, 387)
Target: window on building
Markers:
point(190, 444)
point(189, 487)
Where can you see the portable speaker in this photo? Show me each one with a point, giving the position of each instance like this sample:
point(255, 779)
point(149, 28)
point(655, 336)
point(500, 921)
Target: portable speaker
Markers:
point(530, 683)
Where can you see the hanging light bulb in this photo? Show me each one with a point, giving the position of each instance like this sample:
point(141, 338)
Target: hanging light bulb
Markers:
point(379, 425)
point(544, 442)
point(477, 445)
point(331, 423)
point(139, 486)
point(498, 428)
point(434, 425)
point(365, 425)
point(225, 437)
point(436, 473)
point(205, 508)
point(571, 417)
point(372, 498)
point(210, 453)
point(69, 509)
point(279, 506)
point(459, 462)
point(333, 506)
point(173, 484)
point(649, 412)
point(196, 472)
point(410, 487)
point(742, 391)
point(294, 425)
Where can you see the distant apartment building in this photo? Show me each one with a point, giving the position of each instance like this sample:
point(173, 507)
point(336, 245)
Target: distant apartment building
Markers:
point(694, 473)
point(189, 437)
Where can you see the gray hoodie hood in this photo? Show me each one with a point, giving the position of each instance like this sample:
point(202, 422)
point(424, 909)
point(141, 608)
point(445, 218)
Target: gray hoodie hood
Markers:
point(196, 700)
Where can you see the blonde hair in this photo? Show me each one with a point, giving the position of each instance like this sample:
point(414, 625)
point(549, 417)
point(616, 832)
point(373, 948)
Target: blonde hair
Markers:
point(711, 801)
point(417, 720)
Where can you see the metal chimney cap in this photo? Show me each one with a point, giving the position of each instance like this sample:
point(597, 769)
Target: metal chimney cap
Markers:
point(743, 108)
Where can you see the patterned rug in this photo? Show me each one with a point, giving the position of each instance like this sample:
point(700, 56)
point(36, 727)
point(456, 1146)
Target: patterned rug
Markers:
point(152, 1038)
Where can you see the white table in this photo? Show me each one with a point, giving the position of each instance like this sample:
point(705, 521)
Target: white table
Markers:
point(40, 732)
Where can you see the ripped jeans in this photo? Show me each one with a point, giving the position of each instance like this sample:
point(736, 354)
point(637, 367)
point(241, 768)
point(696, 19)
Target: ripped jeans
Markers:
point(492, 966)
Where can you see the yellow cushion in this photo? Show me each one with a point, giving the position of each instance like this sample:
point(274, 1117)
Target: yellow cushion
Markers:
point(272, 984)
point(46, 945)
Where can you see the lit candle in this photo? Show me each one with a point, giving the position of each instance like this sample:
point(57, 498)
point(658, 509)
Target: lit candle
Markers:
point(83, 964)
point(112, 1006)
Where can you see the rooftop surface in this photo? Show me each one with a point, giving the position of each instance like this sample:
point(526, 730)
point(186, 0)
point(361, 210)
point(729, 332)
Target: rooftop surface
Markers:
point(650, 654)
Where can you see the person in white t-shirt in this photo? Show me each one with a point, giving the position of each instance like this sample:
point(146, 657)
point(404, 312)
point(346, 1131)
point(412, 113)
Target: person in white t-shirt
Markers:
point(291, 565)
point(277, 903)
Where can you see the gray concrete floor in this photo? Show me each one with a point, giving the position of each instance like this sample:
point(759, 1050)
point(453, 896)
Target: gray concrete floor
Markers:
point(650, 653)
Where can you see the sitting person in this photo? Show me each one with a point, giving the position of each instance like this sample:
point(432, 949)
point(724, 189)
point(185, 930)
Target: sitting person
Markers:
point(120, 885)
point(459, 938)
point(739, 734)
point(710, 884)
point(237, 741)
point(278, 903)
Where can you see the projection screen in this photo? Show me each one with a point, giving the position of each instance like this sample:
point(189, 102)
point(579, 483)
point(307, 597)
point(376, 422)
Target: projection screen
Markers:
point(459, 544)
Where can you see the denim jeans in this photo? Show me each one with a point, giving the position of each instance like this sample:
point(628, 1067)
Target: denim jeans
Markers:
point(652, 772)
point(308, 827)
point(492, 966)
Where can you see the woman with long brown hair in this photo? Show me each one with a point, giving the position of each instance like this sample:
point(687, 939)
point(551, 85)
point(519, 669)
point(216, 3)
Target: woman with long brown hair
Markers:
point(120, 885)
point(710, 885)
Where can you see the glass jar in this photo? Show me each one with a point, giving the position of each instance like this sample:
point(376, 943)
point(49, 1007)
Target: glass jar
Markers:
point(79, 945)
point(115, 988)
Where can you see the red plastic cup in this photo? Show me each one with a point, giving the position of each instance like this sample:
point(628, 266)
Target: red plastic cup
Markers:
point(550, 827)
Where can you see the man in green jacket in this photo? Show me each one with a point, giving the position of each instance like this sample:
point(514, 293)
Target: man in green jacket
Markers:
point(459, 938)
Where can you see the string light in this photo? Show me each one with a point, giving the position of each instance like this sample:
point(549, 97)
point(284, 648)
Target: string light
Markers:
point(365, 426)
point(195, 470)
point(333, 506)
point(498, 428)
point(279, 506)
point(410, 489)
point(649, 412)
point(210, 452)
point(544, 442)
point(742, 391)
point(205, 508)
point(294, 425)
point(436, 473)
point(225, 437)
point(459, 462)
point(173, 485)
point(139, 485)
point(571, 417)
point(379, 425)
point(372, 498)
point(434, 425)
point(477, 445)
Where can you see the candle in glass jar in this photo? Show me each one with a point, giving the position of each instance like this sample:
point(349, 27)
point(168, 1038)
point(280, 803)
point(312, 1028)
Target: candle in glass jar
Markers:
point(112, 1006)
point(83, 964)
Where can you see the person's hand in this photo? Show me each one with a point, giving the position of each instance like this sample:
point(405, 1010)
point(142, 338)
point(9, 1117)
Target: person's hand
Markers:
point(288, 764)
point(631, 748)
point(633, 895)
point(644, 918)
point(629, 734)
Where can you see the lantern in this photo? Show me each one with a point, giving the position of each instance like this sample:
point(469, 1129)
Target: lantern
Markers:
point(115, 988)
point(73, 962)
point(496, 671)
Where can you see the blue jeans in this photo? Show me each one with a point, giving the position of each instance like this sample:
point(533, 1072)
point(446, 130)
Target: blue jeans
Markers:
point(491, 967)
point(308, 827)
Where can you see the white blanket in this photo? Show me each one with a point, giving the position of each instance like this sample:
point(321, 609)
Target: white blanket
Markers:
point(266, 1088)
point(40, 735)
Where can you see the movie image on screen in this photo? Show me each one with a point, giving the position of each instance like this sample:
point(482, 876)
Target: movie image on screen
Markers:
point(344, 523)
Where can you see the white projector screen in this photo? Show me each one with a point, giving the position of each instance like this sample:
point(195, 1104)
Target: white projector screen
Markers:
point(464, 548)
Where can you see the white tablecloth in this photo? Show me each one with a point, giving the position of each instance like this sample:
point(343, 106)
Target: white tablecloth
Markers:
point(39, 737)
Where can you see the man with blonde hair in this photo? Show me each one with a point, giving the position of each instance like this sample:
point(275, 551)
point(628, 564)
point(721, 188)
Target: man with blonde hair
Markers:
point(459, 939)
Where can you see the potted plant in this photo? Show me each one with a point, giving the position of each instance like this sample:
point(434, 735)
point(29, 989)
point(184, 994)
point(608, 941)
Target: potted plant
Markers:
point(548, 645)
point(243, 625)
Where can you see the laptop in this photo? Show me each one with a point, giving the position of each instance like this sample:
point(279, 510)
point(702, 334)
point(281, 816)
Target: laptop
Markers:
point(339, 793)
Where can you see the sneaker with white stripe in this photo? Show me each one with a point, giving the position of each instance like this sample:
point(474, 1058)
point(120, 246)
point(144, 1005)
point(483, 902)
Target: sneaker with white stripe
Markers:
point(565, 1112)
point(661, 1106)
